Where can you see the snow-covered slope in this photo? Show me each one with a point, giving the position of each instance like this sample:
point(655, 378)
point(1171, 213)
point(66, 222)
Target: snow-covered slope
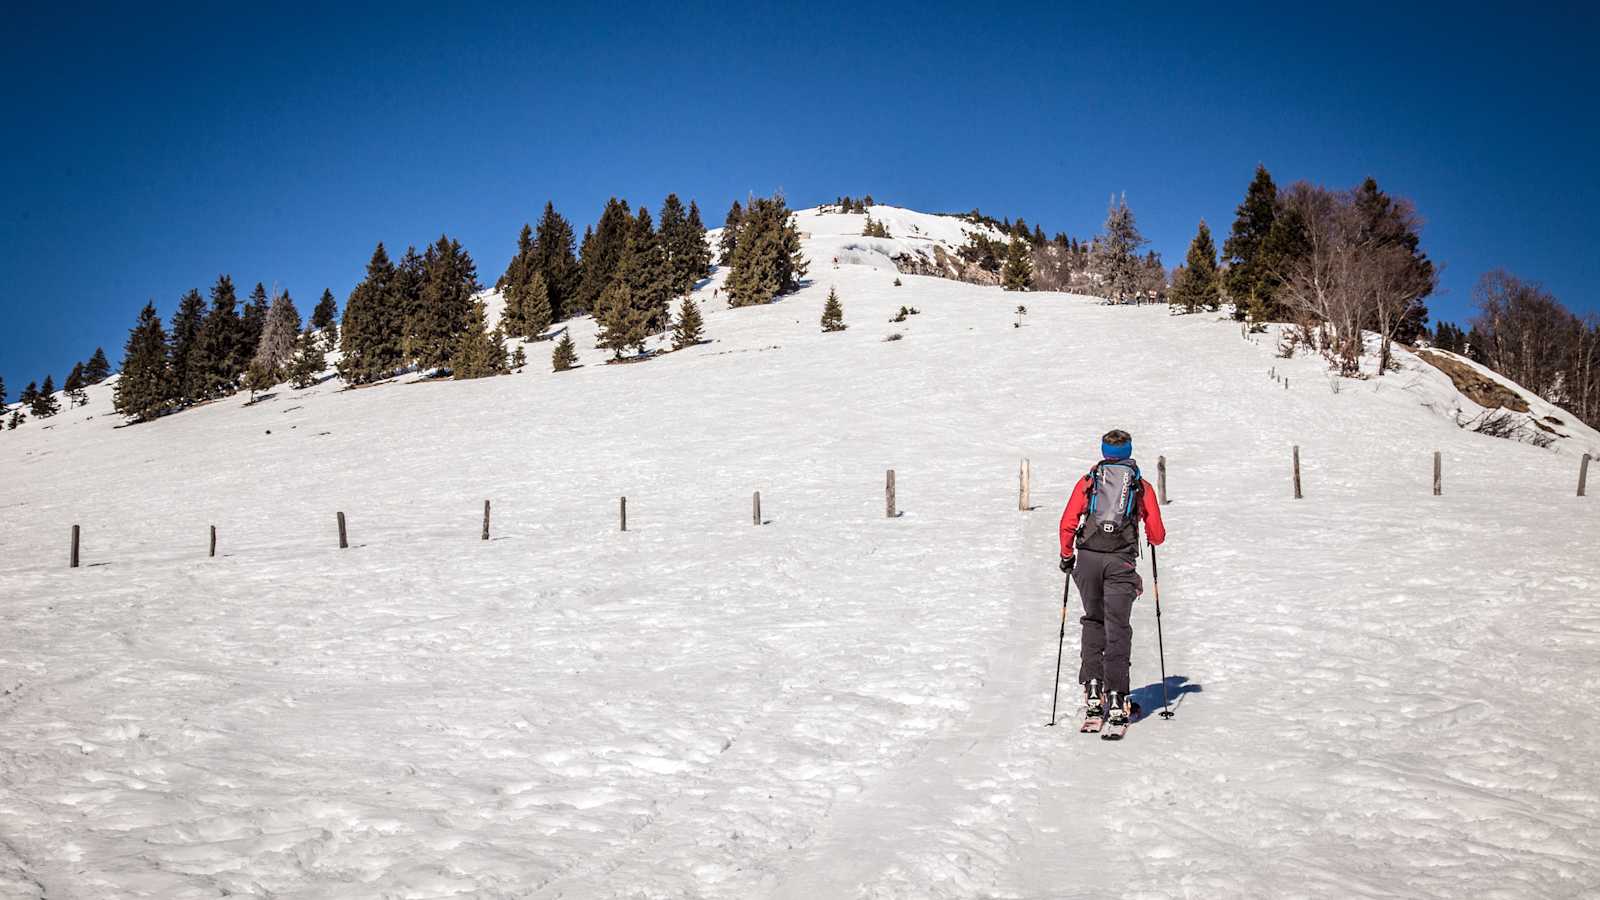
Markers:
point(1379, 692)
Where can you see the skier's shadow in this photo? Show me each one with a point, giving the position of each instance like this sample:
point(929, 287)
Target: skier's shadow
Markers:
point(1149, 697)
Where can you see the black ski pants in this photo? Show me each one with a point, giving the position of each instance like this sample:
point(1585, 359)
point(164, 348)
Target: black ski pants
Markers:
point(1108, 583)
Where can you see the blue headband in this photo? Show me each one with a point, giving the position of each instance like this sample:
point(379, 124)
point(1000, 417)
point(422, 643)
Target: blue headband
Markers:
point(1116, 451)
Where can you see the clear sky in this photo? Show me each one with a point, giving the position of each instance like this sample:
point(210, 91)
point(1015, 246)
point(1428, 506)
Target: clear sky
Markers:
point(146, 151)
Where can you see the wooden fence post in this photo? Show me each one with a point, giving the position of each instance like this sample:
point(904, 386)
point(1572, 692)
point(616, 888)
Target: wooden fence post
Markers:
point(1297, 494)
point(344, 541)
point(888, 495)
point(622, 511)
point(74, 563)
point(486, 520)
point(213, 541)
point(1022, 494)
point(755, 507)
point(1583, 474)
point(1438, 473)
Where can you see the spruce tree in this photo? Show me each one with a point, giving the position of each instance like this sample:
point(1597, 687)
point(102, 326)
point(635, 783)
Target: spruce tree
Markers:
point(45, 404)
point(405, 298)
point(1118, 263)
point(449, 281)
point(622, 322)
point(98, 368)
point(690, 324)
point(767, 261)
point(1198, 284)
point(279, 335)
point(602, 254)
point(557, 264)
point(833, 313)
point(2, 393)
point(252, 321)
point(145, 389)
point(645, 268)
point(29, 394)
point(730, 234)
point(371, 334)
point(326, 314)
point(695, 229)
point(477, 353)
point(677, 247)
point(308, 360)
point(565, 356)
point(74, 386)
point(537, 314)
point(214, 365)
point(519, 358)
point(515, 280)
point(1017, 274)
point(186, 325)
point(17, 418)
point(1249, 281)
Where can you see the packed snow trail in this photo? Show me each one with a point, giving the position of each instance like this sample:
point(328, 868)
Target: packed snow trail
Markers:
point(1378, 692)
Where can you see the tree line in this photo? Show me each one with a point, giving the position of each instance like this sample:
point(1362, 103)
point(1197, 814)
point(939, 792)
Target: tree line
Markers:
point(39, 401)
point(1109, 265)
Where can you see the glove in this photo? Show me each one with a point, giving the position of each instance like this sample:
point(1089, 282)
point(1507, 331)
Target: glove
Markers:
point(1066, 564)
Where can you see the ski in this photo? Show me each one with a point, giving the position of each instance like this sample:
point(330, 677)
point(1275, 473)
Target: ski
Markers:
point(1091, 724)
point(1116, 731)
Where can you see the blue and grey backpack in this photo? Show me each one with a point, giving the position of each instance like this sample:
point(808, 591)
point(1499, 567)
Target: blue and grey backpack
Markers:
point(1111, 520)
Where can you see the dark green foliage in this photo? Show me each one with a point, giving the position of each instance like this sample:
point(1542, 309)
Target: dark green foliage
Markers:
point(2, 393)
point(373, 330)
point(186, 325)
point(702, 250)
point(690, 325)
point(1197, 285)
point(44, 403)
point(519, 358)
point(1390, 226)
point(326, 313)
point(1018, 272)
point(98, 368)
point(565, 356)
point(622, 321)
point(646, 270)
point(405, 298)
point(74, 386)
point(17, 418)
point(145, 389)
point(553, 250)
point(897, 282)
point(214, 365)
point(983, 252)
point(527, 311)
point(767, 261)
point(252, 321)
point(477, 353)
point(1448, 336)
point(449, 279)
point(1252, 281)
point(29, 394)
point(730, 234)
point(833, 313)
point(308, 360)
point(683, 238)
point(602, 255)
point(875, 229)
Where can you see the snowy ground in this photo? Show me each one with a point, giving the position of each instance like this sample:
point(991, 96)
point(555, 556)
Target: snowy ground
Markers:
point(1379, 692)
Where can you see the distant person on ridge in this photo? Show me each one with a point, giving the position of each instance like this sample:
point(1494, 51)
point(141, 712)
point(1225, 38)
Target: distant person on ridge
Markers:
point(1101, 555)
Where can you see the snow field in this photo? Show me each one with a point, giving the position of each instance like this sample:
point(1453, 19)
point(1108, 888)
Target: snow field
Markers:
point(1380, 693)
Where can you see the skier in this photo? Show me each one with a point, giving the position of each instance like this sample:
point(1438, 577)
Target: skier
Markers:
point(1100, 555)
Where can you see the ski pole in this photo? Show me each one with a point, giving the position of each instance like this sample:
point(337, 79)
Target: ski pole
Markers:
point(1061, 641)
point(1155, 576)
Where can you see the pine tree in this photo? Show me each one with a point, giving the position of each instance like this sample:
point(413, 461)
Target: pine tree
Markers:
point(1118, 263)
point(1249, 281)
point(326, 313)
point(449, 281)
point(29, 394)
point(477, 354)
point(695, 230)
point(622, 321)
point(557, 264)
point(252, 321)
point(214, 365)
point(536, 313)
point(371, 334)
point(2, 394)
point(514, 282)
point(565, 356)
point(145, 389)
point(690, 325)
point(677, 246)
point(767, 261)
point(277, 344)
point(645, 267)
point(602, 254)
point(730, 234)
point(308, 361)
point(17, 418)
point(405, 298)
point(1198, 284)
point(186, 325)
point(45, 404)
point(833, 313)
point(98, 368)
point(1017, 275)
point(519, 358)
point(74, 386)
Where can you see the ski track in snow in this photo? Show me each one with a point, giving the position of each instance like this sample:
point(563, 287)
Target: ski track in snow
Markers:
point(1379, 693)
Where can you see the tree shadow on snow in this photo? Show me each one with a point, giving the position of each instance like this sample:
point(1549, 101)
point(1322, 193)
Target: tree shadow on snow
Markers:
point(1148, 697)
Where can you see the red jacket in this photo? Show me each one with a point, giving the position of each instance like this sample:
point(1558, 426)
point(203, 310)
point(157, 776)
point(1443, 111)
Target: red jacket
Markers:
point(1149, 513)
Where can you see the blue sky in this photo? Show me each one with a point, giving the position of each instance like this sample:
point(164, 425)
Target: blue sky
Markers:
point(148, 151)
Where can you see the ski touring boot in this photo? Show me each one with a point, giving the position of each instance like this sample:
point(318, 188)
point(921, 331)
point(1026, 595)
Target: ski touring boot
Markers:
point(1119, 714)
point(1094, 710)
